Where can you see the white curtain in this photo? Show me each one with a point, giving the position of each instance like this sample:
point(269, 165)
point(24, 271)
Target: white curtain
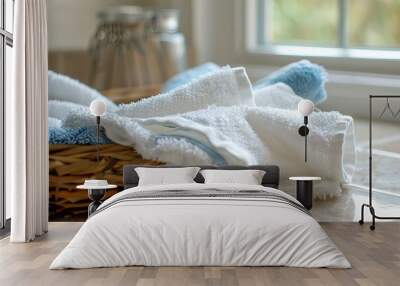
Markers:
point(26, 124)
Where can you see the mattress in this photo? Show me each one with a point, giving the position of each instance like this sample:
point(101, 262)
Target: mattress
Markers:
point(201, 225)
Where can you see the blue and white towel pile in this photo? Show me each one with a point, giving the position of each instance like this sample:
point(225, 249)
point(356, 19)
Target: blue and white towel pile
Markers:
point(67, 95)
point(218, 118)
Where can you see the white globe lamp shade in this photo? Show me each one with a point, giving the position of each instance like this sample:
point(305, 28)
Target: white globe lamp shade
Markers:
point(305, 107)
point(98, 107)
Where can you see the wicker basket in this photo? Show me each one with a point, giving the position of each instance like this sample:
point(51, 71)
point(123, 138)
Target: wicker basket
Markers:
point(127, 95)
point(70, 165)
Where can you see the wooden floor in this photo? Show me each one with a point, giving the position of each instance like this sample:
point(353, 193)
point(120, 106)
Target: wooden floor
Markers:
point(375, 257)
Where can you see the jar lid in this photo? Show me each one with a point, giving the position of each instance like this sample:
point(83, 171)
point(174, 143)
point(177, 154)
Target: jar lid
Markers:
point(124, 14)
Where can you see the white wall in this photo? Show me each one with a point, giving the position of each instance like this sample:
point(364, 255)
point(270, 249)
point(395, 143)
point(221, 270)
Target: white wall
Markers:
point(214, 30)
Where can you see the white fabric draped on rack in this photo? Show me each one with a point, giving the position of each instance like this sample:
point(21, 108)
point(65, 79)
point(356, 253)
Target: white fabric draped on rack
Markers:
point(26, 127)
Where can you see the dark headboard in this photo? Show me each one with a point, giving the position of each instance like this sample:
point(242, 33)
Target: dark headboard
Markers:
point(271, 177)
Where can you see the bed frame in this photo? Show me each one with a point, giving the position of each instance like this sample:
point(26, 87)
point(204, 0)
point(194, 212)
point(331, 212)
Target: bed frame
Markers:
point(270, 179)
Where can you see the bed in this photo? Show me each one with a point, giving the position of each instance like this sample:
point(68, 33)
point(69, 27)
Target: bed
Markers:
point(201, 224)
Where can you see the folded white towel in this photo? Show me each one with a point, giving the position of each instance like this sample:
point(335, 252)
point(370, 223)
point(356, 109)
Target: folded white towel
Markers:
point(225, 87)
point(278, 95)
point(54, 122)
point(64, 88)
point(60, 109)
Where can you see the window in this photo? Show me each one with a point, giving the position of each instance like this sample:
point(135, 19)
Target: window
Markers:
point(6, 43)
point(360, 28)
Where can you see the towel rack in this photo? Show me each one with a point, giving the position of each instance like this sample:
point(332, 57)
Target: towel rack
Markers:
point(394, 114)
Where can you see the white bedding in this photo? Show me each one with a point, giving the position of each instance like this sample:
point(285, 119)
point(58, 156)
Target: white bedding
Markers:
point(188, 231)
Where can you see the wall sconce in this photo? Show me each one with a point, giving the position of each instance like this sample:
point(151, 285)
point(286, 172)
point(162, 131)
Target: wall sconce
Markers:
point(98, 108)
point(305, 108)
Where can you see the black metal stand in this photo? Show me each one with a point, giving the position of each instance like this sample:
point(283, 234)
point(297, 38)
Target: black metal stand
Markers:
point(369, 205)
point(96, 195)
point(304, 193)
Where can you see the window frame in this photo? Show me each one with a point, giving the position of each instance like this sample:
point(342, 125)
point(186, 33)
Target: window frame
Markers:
point(246, 51)
point(6, 39)
point(261, 45)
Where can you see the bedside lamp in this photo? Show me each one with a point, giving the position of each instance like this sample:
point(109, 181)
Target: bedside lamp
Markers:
point(98, 108)
point(305, 108)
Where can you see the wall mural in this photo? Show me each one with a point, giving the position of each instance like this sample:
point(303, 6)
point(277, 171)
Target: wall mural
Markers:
point(106, 67)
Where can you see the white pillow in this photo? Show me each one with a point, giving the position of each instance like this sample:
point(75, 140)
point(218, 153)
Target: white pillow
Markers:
point(166, 176)
point(247, 177)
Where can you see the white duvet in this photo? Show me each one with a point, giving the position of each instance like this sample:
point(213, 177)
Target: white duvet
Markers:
point(190, 231)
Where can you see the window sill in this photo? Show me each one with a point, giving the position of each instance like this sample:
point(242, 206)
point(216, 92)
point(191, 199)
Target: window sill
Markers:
point(351, 60)
point(324, 52)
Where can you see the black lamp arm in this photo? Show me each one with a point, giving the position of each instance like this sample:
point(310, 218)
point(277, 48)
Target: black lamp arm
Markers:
point(97, 138)
point(303, 130)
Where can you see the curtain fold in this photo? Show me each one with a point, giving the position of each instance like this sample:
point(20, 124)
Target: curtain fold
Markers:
point(26, 117)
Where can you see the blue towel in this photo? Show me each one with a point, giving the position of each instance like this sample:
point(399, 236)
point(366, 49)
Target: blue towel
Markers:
point(81, 135)
point(188, 75)
point(305, 78)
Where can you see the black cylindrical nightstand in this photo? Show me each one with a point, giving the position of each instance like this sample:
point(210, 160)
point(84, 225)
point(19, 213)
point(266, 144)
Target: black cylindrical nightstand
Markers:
point(96, 194)
point(304, 190)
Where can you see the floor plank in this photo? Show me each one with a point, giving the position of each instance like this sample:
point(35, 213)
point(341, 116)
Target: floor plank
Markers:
point(375, 257)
